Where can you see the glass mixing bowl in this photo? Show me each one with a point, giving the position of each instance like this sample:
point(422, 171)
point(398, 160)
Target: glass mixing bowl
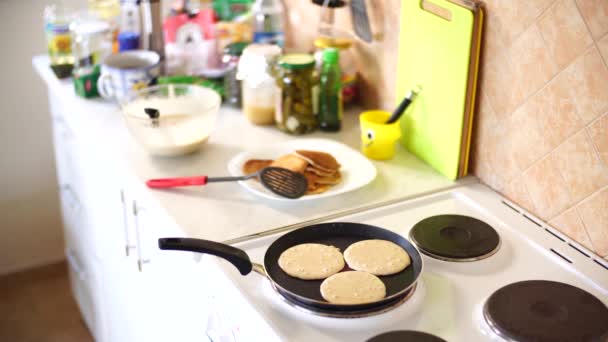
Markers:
point(171, 119)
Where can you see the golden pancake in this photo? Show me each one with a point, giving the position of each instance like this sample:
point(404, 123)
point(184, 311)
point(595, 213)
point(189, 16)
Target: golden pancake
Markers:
point(321, 160)
point(255, 165)
point(311, 261)
point(336, 178)
point(353, 287)
point(319, 172)
point(379, 257)
point(291, 162)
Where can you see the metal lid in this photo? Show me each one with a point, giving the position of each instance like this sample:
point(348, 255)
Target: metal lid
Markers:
point(297, 61)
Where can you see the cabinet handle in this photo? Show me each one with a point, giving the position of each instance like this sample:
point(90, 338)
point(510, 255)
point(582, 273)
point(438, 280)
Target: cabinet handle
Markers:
point(140, 260)
point(125, 223)
point(74, 264)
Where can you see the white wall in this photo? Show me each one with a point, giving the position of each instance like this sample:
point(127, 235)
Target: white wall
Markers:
point(30, 221)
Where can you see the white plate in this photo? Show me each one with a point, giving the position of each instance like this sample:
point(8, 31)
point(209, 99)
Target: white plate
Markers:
point(356, 170)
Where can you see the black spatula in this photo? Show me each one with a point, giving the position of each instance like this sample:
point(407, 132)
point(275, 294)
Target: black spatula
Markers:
point(282, 182)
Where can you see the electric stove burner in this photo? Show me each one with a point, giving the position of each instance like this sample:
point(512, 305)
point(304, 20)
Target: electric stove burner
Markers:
point(540, 310)
point(455, 238)
point(292, 301)
point(405, 336)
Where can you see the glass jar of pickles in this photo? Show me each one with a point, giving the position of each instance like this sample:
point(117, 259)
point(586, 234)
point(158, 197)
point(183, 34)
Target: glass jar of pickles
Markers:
point(295, 111)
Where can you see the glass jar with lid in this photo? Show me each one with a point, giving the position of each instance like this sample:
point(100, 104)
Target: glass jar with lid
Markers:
point(255, 70)
point(296, 108)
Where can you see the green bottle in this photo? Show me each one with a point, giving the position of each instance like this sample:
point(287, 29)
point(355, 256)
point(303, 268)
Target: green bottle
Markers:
point(330, 92)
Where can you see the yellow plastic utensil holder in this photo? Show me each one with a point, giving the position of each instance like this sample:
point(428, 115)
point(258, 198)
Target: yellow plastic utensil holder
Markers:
point(378, 139)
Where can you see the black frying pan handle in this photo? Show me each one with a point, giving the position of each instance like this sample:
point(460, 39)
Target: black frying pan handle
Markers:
point(235, 256)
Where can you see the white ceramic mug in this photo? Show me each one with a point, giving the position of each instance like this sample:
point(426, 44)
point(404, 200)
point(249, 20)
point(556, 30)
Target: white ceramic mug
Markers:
point(127, 71)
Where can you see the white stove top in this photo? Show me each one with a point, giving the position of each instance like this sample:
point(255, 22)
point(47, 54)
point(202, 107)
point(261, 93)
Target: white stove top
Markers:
point(449, 296)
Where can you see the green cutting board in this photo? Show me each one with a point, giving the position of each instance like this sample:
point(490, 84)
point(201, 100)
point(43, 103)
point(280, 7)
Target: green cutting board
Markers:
point(434, 55)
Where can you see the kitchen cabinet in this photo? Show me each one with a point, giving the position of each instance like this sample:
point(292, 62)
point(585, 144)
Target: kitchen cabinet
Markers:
point(126, 289)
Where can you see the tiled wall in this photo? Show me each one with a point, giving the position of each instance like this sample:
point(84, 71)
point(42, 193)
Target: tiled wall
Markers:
point(541, 135)
point(542, 126)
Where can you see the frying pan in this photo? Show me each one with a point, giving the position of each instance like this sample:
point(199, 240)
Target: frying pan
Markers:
point(307, 292)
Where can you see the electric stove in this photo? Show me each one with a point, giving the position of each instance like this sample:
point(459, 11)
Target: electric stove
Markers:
point(502, 268)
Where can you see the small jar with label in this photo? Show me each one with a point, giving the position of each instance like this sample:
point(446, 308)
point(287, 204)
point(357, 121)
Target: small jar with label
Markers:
point(296, 106)
point(255, 70)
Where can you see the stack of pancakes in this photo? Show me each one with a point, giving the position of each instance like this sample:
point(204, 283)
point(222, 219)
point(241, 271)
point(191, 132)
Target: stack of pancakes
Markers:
point(321, 169)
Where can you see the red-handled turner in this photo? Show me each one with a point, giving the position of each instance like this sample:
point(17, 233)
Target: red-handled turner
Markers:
point(281, 181)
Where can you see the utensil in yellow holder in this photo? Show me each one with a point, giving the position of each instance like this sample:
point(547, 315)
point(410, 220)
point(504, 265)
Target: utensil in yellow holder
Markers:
point(378, 139)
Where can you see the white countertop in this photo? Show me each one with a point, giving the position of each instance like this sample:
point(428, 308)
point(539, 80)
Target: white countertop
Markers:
point(228, 211)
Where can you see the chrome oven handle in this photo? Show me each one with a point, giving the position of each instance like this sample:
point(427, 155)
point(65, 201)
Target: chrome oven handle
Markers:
point(140, 259)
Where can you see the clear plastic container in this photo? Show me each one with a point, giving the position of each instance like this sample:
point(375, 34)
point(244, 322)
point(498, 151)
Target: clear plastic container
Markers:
point(259, 91)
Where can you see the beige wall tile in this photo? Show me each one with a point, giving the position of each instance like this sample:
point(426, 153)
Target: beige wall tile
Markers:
point(570, 224)
point(504, 158)
point(564, 31)
point(525, 136)
point(515, 16)
point(594, 213)
point(546, 188)
point(580, 166)
point(555, 110)
point(595, 13)
point(488, 175)
point(499, 84)
point(588, 78)
point(603, 46)
point(517, 192)
point(531, 61)
point(598, 131)
point(483, 141)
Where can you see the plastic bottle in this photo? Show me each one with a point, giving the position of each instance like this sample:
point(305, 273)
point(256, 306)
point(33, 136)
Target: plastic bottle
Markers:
point(268, 25)
point(330, 92)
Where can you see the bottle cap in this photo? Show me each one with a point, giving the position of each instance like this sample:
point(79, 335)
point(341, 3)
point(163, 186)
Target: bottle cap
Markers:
point(128, 41)
point(331, 55)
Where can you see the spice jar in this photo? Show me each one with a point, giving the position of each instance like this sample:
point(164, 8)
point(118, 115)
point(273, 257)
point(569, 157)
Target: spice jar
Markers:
point(255, 70)
point(232, 86)
point(296, 106)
